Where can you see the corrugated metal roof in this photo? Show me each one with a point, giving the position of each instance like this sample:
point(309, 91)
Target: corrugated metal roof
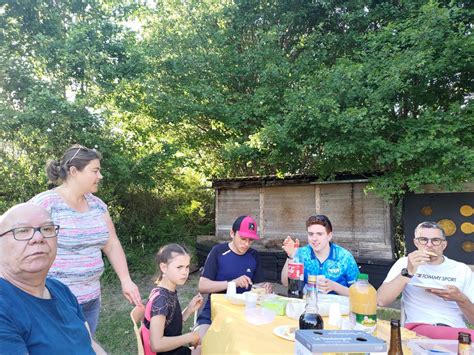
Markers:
point(274, 180)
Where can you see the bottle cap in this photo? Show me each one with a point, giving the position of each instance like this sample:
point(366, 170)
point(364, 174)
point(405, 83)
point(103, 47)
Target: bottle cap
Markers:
point(363, 277)
point(395, 323)
point(312, 279)
point(464, 338)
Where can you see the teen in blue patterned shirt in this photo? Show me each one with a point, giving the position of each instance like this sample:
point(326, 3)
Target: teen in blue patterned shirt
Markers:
point(322, 257)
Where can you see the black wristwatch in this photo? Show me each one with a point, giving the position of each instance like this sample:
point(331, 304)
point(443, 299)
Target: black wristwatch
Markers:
point(406, 273)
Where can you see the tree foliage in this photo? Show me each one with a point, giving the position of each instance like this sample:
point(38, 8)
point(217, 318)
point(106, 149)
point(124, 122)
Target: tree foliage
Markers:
point(177, 92)
point(315, 87)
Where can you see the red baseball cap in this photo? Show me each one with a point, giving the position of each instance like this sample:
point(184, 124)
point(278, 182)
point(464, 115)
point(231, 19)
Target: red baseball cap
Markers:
point(246, 226)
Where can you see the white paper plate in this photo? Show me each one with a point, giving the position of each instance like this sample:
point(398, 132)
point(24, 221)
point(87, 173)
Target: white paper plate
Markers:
point(425, 285)
point(283, 332)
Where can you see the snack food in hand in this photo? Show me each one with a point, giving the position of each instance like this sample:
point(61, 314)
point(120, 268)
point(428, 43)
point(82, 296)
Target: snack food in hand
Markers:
point(258, 290)
point(430, 253)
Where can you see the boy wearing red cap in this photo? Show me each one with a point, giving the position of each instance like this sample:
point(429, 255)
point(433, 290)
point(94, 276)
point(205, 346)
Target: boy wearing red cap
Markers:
point(234, 261)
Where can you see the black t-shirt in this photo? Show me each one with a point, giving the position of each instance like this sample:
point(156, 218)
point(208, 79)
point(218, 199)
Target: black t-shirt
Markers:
point(222, 264)
point(167, 304)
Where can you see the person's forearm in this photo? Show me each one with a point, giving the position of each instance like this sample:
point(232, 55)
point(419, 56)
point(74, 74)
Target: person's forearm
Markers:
point(389, 291)
point(467, 308)
point(342, 290)
point(284, 274)
point(117, 258)
point(210, 286)
point(170, 343)
point(186, 313)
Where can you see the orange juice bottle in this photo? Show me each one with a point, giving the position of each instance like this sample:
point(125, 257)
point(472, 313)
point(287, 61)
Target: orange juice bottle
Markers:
point(363, 300)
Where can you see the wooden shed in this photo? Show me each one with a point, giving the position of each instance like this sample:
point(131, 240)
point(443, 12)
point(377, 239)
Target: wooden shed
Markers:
point(362, 222)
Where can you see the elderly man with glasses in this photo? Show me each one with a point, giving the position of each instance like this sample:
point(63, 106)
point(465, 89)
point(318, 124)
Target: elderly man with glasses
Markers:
point(437, 292)
point(38, 315)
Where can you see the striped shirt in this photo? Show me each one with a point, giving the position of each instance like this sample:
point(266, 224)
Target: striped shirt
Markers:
point(81, 237)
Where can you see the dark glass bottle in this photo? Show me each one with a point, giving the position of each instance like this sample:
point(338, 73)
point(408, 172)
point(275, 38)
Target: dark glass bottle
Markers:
point(295, 275)
point(464, 345)
point(311, 319)
point(395, 338)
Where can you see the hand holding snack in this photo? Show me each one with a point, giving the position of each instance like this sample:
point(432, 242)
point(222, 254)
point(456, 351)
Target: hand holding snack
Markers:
point(262, 288)
point(415, 259)
point(432, 255)
point(195, 303)
point(243, 281)
point(196, 339)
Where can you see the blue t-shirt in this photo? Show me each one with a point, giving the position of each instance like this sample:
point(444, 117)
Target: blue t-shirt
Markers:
point(222, 264)
point(36, 326)
point(340, 266)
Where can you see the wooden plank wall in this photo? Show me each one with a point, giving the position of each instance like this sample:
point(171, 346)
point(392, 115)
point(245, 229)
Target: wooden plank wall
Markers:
point(232, 203)
point(361, 222)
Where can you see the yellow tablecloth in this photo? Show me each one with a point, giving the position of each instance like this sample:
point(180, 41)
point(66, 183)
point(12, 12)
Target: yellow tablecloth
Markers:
point(230, 333)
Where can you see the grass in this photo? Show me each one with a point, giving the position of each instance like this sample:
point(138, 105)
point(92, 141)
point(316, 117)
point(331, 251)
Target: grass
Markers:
point(115, 330)
point(388, 313)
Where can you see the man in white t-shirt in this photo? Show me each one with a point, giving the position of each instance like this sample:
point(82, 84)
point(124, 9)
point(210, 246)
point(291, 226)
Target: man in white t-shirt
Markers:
point(437, 292)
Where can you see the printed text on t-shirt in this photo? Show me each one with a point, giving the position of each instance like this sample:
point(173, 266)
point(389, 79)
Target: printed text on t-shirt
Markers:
point(436, 277)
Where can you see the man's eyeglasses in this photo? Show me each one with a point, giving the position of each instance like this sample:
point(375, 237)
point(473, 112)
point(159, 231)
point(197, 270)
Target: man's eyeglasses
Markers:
point(434, 241)
point(27, 233)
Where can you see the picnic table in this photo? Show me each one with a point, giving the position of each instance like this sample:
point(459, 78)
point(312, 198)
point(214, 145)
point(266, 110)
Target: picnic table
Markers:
point(230, 333)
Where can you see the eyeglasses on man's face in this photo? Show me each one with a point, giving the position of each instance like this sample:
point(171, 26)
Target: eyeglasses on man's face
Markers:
point(27, 233)
point(434, 241)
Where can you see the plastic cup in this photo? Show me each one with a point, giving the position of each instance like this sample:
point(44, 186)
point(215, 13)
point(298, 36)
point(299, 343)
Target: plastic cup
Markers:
point(319, 279)
point(250, 300)
point(335, 316)
point(231, 288)
point(346, 324)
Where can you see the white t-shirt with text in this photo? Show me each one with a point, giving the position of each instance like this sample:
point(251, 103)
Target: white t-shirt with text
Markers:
point(423, 307)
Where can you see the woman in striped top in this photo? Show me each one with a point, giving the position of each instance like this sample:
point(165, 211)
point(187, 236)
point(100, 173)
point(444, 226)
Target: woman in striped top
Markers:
point(86, 230)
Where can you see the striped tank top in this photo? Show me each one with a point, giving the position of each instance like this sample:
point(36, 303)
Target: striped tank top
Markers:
point(81, 237)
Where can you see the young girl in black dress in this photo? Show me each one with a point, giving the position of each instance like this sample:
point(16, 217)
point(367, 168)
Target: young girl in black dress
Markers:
point(163, 323)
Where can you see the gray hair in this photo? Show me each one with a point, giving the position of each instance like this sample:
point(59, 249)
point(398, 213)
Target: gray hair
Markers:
point(429, 225)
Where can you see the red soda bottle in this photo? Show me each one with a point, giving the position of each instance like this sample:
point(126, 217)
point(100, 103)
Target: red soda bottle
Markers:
point(295, 275)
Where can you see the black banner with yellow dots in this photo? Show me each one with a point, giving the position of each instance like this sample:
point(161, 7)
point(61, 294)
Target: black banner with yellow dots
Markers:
point(453, 211)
